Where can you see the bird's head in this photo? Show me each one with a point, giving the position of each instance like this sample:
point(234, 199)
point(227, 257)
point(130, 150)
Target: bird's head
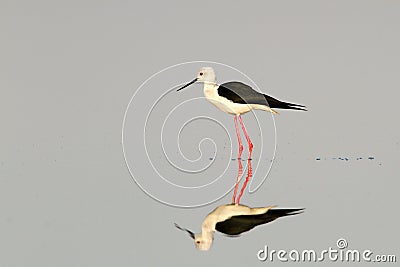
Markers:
point(201, 241)
point(205, 75)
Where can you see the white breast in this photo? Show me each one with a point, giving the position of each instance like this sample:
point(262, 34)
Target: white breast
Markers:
point(225, 105)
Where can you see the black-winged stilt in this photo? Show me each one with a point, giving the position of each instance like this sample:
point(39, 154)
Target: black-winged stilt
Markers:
point(233, 220)
point(237, 98)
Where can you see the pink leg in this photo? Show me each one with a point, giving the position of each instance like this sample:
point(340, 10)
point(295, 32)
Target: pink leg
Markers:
point(238, 136)
point(249, 174)
point(239, 159)
point(247, 137)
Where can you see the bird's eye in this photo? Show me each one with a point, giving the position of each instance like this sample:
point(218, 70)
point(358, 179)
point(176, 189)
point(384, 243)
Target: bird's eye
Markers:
point(198, 242)
point(201, 74)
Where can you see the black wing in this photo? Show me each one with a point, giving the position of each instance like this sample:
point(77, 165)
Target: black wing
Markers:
point(241, 93)
point(243, 223)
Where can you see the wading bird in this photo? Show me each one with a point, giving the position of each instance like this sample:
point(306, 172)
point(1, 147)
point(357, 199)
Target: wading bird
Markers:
point(237, 98)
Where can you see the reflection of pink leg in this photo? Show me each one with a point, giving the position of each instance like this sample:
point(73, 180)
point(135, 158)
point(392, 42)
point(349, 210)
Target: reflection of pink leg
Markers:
point(240, 171)
point(239, 159)
point(247, 137)
point(249, 174)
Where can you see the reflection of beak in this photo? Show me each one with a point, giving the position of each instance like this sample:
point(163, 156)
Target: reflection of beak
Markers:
point(184, 229)
point(192, 82)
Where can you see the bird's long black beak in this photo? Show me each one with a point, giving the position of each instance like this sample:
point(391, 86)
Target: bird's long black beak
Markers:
point(185, 230)
point(186, 85)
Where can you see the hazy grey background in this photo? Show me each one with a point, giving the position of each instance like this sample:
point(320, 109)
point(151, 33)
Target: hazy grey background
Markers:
point(68, 70)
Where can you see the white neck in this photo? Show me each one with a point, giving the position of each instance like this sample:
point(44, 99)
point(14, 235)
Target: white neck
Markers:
point(210, 89)
point(207, 235)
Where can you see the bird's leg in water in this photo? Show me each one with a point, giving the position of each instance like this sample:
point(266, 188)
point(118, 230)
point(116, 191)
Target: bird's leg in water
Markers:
point(249, 174)
point(239, 176)
point(240, 169)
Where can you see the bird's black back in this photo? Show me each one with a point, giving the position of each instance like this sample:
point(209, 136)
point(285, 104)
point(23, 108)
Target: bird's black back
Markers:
point(243, 223)
point(241, 93)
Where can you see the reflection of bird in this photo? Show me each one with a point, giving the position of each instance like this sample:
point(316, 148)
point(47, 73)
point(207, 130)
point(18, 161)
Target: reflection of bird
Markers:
point(237, 98)
point(232, 220)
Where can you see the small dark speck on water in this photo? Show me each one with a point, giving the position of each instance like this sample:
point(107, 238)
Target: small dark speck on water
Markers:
point(233, 159)
point(210, 158)
point(345, 158)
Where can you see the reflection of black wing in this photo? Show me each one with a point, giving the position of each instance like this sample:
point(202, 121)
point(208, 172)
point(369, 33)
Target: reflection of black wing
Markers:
point(243, 223)
point(241, 93)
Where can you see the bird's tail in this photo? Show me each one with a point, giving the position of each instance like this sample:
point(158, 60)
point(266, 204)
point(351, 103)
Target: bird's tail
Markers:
point(287, 105)
point(277, 213)
point(275, 103)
